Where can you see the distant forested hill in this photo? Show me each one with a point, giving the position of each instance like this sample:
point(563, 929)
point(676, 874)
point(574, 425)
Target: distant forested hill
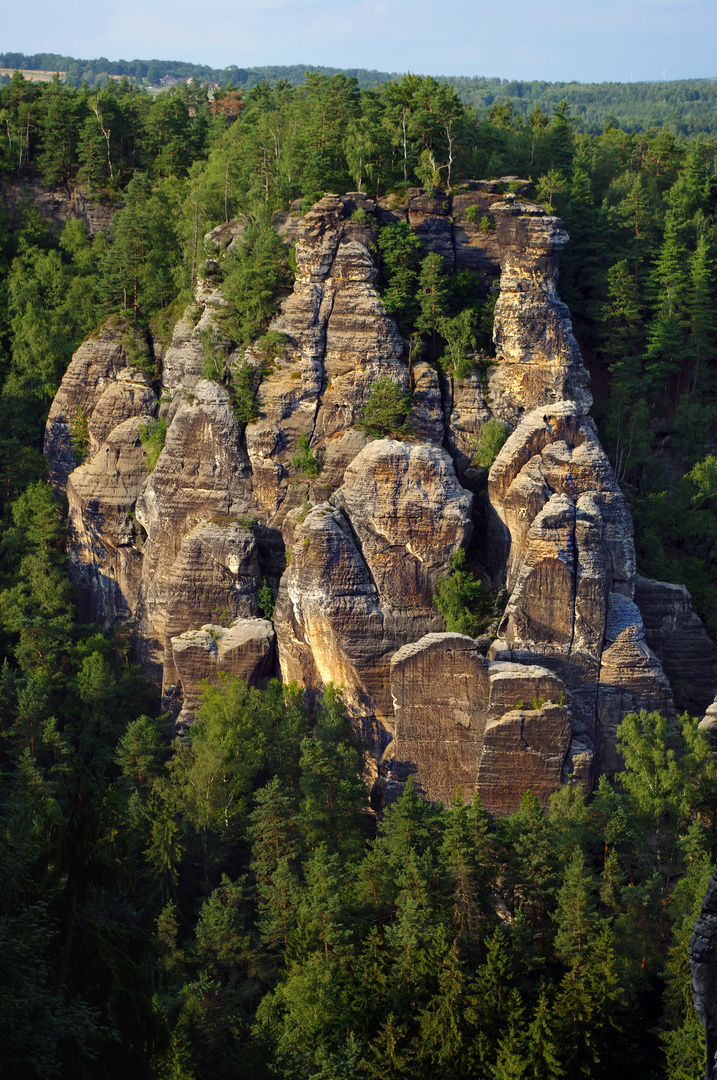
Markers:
point(686, 107)
point(99, 71)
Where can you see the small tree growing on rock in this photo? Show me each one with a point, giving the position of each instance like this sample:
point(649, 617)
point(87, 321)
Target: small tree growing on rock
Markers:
point(487, 446)
point(387, 410)
point(463, 601)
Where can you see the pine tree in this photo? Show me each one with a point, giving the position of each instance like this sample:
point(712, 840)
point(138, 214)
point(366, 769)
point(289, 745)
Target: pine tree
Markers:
point(458, 858)
point(666, 338)
point(332, 809)
point(576, 915)
point(275, 847)
point(701, 308)
point(572, 1022)
point(432, 298)
point(542, 1048)
point(448, 1023)
point(400, 248)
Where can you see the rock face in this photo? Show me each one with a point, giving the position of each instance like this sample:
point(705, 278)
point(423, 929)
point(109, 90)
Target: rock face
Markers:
point(101, 366)
point(353, 554)
point(245, 650)
point(363, 570)
point(703, 965)
point(678, 637)
point(105, 557)
point(539, 362)
point(57, 204)
point(461, 720)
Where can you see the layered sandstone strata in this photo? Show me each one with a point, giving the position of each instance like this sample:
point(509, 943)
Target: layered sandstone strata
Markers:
point(354, 553)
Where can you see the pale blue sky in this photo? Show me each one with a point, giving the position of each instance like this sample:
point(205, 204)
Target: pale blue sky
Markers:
point(555, 40)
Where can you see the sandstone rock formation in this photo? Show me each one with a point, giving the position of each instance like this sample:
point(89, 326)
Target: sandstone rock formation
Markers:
point(354, 553)
point(363, 570)
point(492, 728)
point(245, 650)
point(678, 637)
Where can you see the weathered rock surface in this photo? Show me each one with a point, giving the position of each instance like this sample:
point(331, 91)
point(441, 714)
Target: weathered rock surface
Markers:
point(538, 360)
point(59, 203)
point(356, 551)
point(678, 637)
point(440, 688)
point(201, 474)
point(105, 560)
point(245, 650)
point(462, 720)
point(363, 569)
point(93, 370)
point(703, 965)
point(631, 677)
point(708, 724)
point(523, 751)
point(339, 341)
point(563, 533)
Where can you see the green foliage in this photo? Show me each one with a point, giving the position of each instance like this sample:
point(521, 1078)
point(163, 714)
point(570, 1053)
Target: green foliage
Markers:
point(400, 247)
point(240, 911)
point(213, 366)
point(136, 346)
point(387, 411)
point(266, 601)
point(432, 298)
point(152, 435)
point(255, 279)
point(137, 272)
point(304, 460)
point(80, 433)
point(243, 390)
point(549, 186)
point(488, 444)
point(459, 335)
point(463, 601)
point(272, 345)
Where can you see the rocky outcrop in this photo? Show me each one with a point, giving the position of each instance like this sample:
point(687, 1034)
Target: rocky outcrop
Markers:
point(363, 569)
point(339, 340)
point(244, 650)
point(59, 203)
point(524, 750)
point(202, 474)
point(538, 360)
point(563, 534)
point(354, 552)
point(703, 966)
point(105, 551)
point(496, 729)
point(440, 688)
point(679, 638)
point(94, 370)
point(631, 677)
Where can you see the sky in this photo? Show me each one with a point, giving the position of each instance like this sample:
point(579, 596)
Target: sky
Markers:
point(554, 40)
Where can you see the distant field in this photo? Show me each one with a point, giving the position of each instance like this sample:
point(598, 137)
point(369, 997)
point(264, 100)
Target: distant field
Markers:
point(32, 76)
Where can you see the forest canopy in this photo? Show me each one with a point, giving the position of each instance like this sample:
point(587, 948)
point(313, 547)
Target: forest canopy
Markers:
point(231, 906)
